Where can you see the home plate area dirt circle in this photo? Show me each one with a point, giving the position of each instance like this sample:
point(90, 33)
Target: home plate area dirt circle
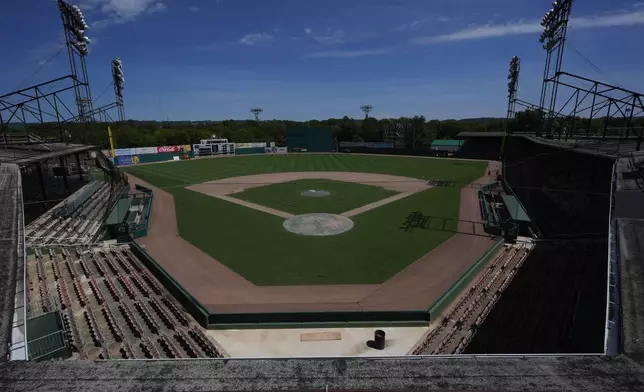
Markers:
point(318, 224)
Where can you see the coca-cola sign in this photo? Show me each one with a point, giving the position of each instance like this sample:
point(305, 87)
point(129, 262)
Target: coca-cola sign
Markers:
point(168, 149)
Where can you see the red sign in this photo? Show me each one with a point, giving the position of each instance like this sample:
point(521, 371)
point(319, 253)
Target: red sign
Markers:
point(168, 149)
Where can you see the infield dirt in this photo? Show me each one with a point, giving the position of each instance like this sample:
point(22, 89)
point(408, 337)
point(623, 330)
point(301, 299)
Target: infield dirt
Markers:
point(223, 188)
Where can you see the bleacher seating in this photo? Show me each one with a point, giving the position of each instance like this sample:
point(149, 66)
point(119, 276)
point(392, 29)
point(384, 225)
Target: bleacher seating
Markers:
point(78, 219)
point(116, 309)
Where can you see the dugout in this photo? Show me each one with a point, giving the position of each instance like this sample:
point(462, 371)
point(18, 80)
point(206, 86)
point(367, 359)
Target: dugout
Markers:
point(518, 215)
point(310, 139)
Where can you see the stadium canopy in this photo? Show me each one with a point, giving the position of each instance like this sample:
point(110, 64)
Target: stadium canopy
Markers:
point(516, 211)
point(447, 145)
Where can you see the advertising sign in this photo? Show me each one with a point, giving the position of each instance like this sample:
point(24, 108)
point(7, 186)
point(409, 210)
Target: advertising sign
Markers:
point(379, 145)
point(123, 160)
point(367, 144)
point(127, 160)
point(169, 149)
point(119, 152)
point(144, 150)
point(275, 150)
point(251, 145)
point(352, 144)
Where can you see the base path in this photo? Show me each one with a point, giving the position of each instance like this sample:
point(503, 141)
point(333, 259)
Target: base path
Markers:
point(220, 289)
point(222, 189)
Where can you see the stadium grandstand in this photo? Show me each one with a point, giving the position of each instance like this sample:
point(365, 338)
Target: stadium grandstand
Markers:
point(527, 307)
point(557, 305)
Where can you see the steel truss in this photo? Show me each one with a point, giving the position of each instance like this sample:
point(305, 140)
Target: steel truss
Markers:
point(590, 99)
point(43, 103)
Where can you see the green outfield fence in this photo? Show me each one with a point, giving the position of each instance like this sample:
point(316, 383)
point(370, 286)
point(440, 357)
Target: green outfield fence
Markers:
point(306, 319)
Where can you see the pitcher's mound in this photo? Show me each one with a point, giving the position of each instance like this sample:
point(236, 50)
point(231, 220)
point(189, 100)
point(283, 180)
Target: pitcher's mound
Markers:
point(315, 193)
point(318, 224)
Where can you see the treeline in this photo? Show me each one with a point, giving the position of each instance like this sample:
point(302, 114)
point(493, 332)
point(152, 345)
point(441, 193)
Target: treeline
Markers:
point(156, 133)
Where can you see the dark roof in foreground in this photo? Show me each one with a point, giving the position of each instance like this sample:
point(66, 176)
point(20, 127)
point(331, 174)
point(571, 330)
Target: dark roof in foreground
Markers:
point(483, 373)
point(29, 154)
point(11, 237)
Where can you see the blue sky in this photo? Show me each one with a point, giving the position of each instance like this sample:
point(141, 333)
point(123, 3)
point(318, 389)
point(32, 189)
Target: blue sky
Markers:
point(304, 59)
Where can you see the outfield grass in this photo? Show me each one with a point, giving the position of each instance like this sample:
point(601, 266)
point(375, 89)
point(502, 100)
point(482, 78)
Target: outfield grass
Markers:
point(255, 245)
point(287, 196)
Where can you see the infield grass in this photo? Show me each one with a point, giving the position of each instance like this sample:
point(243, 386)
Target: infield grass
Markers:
point(255, 245)
point(287, 196)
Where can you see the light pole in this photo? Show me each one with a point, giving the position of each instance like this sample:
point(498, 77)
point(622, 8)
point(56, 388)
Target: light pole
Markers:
point(256, 112)
point(366, 109)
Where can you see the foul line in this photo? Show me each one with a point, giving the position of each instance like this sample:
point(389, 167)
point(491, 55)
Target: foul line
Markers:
point(254, 206)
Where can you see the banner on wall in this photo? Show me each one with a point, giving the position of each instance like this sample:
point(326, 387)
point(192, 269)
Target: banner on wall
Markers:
point(144, 150)
point(127, 160)
point(379, 145)
point(163, 149)
point(119, 152)
point(367, 144)
point(351, 144)
point(251, 145)
point(275, 150)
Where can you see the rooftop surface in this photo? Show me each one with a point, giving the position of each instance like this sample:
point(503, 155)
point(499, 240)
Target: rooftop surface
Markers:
point(29, 154)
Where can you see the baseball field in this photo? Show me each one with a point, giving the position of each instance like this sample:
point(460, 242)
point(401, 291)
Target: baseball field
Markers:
point(234, 209)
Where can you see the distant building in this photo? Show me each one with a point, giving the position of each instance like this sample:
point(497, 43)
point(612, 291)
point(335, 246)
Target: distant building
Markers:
point(446, 147)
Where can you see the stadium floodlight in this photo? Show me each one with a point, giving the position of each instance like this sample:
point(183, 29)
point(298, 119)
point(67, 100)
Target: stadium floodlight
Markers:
point(513, 77)
point(256, 112)
point(553, 22)
point(366, 109)
point(118, 81)
point(75, 26)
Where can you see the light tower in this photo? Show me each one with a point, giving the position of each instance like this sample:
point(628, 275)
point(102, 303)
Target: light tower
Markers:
point(77, 48)
point(119, 80)
point(513, 85)
point(366, 109)
point(256, 112)
point(553, 38)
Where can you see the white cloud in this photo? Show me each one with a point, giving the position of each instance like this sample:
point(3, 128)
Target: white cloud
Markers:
point(411, 25)
point(120, 11)
point(42, 62)
point(194, 8)
point(158, 7)
point(443, 19)
point(533, 27)
point(255, 38)
point(348, 53)
point(331, 36)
